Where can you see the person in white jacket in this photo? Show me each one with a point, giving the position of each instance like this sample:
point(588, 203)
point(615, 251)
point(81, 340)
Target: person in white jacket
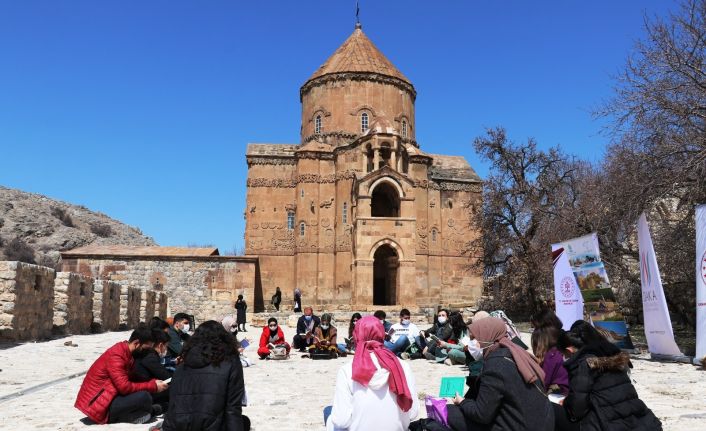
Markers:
point(375, 391)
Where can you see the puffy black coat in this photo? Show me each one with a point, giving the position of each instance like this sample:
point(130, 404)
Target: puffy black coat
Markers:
point(601, 396)
point(504, 401)
point(204, 397)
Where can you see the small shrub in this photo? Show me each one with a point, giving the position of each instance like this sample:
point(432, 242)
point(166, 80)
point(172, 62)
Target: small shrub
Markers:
point(17, 249)
point(63, 216)
point(48, 261)
point(101, 229)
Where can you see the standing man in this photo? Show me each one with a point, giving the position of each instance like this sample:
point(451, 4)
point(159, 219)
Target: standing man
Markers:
point(178, 333)
point(305, 330)
point(402, 334)
point(240, 307)
point(107, 394)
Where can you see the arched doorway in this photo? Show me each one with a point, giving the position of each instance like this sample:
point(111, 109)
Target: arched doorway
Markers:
point(385, 201)
point(385, 267)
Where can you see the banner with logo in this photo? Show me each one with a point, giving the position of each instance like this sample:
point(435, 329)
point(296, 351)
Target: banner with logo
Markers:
point(600, 306)
point(700, 282)
point(567, 295)
point(658, 325)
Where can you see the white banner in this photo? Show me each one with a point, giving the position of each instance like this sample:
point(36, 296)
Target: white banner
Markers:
point(567, 295)
point(700, 282)
point(658, 326)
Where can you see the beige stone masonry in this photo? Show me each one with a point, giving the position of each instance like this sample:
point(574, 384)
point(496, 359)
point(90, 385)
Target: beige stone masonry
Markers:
point(26, 301)
point(73, 303)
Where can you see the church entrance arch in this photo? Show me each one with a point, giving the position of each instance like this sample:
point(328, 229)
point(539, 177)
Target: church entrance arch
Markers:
point(385, 201)
point(385, 275)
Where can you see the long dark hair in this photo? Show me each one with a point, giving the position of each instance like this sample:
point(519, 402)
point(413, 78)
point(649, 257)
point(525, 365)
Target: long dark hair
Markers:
point(351, 326)
point(213, 342)
point(545, 318)
point(457, 324)
point(543, 339)
point(584, 336)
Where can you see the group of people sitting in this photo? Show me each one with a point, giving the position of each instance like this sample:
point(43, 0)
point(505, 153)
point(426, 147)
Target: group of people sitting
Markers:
point(195, 381)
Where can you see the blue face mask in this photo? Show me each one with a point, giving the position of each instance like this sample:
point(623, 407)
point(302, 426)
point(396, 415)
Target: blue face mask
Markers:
point(307, 317)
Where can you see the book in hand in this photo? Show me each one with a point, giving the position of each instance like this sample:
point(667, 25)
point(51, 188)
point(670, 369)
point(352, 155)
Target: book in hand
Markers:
point(244, 343)
point(450, 386)
point(434, 337)
point(167, 381)
point(556, 398)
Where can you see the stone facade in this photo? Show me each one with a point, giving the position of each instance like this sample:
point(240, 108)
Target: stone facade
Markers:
point(26, 301)
point(106, 305)
point(130, 304)
point(195, 281)
point(73, 303)
point(357, 214)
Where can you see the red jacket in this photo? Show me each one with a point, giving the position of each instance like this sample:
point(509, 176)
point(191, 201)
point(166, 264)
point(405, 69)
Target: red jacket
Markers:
point(265, 339)
point(107, 378)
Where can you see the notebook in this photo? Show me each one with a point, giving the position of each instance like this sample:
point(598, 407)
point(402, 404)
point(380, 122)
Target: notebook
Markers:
point(450, 386)
point(244, 343)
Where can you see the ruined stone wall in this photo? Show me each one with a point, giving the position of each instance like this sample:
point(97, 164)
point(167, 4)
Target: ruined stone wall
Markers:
point(130, 304)
point(73, 303)
point(106, 305)
point(204, 287)
point(26, 301)
point(162, 305)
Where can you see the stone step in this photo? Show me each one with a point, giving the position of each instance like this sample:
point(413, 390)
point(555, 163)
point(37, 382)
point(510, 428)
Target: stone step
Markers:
point(341, 318)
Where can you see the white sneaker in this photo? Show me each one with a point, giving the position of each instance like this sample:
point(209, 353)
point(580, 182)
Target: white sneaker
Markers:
point(405, 355)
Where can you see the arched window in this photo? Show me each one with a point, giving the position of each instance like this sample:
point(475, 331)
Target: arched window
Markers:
point(385, 201)
point(317, 124)
point(433, 235)
point(290, 220)
point(344, 213)
point(404, 128)
point(385, 154)
point(405, 162)
point(302, 228)
point(364, 122)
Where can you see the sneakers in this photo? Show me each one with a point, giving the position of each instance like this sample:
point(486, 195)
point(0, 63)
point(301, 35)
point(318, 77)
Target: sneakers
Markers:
point(405, 356)
point(448, 362)
point(141, 419)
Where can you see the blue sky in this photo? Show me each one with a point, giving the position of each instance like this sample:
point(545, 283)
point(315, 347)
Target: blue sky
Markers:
point(142, 109)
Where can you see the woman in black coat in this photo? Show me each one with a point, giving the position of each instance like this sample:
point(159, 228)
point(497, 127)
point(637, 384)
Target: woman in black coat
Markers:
point(240, 307)
point(510, 394)
point(601, 396)
point(207, 390)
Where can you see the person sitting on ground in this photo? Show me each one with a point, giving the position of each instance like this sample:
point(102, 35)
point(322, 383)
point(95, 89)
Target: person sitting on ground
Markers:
point(512, 331)
point(305, 330)
point(381, 315)
point(167, 361)
point(441, 329)
point(277, 298)
point(108, 395)
point(150, 367)
point(452, 351)
point(272, 336)
point(511, 394)
point(176, 332)
point(325, 337)
point(157, 323)
point(544, 346)
point(376, 391)
point(474, 357)
point(207, 390)
point(348, 347)
point(297, 300)
point(402, 334)
point(230, 324)
point(601, 395)
point(241, 307)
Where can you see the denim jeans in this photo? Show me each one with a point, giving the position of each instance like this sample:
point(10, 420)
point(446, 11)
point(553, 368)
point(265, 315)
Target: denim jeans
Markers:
point(327, 413)
point(398, 346)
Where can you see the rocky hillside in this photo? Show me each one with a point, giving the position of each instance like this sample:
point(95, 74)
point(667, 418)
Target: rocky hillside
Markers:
point(35, 228)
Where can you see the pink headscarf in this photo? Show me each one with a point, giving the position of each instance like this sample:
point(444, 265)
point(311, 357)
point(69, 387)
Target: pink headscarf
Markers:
point(369, 335)
point(491, 333)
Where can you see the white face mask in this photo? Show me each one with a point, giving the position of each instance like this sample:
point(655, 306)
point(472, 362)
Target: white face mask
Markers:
point(441, 320)
point(405, 322)
point(163, 354)
point(324, 326)
point(185, 328)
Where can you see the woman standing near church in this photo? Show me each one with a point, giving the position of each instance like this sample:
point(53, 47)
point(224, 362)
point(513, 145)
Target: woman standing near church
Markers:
point(240, 307)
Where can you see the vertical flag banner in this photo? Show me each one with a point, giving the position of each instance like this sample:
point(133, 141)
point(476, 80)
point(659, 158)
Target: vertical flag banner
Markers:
point(700, 282)
point(599, 301)
point(567, 295)
point(658, 325)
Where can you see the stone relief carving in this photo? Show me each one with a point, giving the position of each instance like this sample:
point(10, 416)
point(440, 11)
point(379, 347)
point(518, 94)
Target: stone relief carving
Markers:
point(301, 179)
point(326, 204)
point(356, 76)
point(255, 226)
point(325, 222)
point(432, 203)
point(271, 182)
point(252, 209)
point(271, 161)
point(451, 222)
point(290, 207)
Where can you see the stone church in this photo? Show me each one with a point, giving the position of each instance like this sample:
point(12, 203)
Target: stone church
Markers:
point(356, 213)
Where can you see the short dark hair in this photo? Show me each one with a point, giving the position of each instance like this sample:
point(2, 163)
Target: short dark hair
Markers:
point(159, 336)
point(143, 334)
point(180, 316)
point(405, 312)
point(157, 323)
point(380, 314)
point(270, 320)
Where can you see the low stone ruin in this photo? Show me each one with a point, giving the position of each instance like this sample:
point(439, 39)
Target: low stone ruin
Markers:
point(26, 301)
point(73, 303)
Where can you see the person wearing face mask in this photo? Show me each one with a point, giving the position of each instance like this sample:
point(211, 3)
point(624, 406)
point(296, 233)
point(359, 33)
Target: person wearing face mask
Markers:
point(178, 333)
point(402, 334)
point(325, 337)
point(305, 330)
point(441, 329)
point(150, 366)
point(511, 392)
point(108, 395)
point(349, 346)
point(272, 336)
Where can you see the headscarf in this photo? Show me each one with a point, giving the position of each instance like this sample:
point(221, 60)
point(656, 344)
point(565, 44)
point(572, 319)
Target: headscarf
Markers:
point(491, 333)
point(509, 326)
point(369, 334)
point(229, 323)
point(476, 317)
point(272, 333)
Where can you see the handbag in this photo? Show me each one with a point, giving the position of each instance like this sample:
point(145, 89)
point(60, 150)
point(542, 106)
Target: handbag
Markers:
point(279, 353)
point(437, 409)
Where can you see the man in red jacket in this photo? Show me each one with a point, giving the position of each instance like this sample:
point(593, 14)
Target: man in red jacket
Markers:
point(108, 395)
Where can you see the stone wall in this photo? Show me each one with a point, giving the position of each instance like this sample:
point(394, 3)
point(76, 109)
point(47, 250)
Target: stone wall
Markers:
point(206, 287)
point(106, 305)
point(26, 301)
point(130, 304)
point(73, 303)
